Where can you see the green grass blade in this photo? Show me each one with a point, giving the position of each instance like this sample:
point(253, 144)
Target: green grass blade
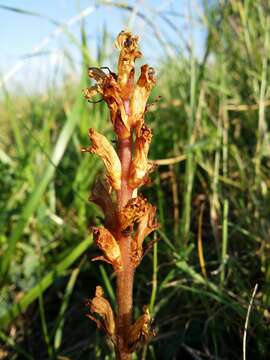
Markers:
point(224, 250)
point(154, 278)
point(47, 281)
point(34, 199)
point(108, 285)
point(11, 342)
point(44, 326)
point(69, 289)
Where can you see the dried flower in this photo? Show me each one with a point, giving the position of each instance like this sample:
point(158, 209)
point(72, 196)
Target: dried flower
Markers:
point(106, 242)
point(132, 212)
point(102, 147)
point(140, 167)
point(101, 196)
point(127, 44)
point(101, 307)
point(119, 117)
point(140, 96)
point(141, 331)
point(108, 87)
point(91, 92)
point(146, 225)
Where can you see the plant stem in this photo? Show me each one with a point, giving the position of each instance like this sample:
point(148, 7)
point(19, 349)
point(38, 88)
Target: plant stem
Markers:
point(125, 276)
point(125, 155)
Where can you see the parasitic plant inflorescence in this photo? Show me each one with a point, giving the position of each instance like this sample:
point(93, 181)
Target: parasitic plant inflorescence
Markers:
point(127, 169)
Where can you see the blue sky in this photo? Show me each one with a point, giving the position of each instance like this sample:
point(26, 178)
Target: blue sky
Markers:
point(20, 33)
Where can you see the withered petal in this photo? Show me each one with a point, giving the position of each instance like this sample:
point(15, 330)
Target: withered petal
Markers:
point(146, 225)
point(101, 306)
point(97, 74)
point(127, 44)
point(100, 195)
point(119, 115)
point(102, 147)
point(111, 92)
point(106, 242)
point(140, 332)
point(140, 96)
point(125, 39)
point(91, 91)
point(140, 167)
point(132, 212)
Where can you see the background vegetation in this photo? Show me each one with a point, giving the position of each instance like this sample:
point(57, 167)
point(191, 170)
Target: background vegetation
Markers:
point(211, 188)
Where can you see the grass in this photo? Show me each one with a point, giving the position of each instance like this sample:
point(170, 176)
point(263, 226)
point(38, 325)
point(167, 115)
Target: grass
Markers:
point(213, 114)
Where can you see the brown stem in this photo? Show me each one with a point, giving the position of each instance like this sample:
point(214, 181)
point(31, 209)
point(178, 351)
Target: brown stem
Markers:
point(125, 155)
point(125, 276)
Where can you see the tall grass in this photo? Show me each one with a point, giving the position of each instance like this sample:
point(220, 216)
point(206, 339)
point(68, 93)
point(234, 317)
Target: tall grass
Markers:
point(212, 195)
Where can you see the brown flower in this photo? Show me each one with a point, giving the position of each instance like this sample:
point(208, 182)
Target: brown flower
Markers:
point(140, 167)
point(146, 225)
point(127, 44)
point(100, 195)
point(101, 307)
point(106, 242)
point(119, 116)
point(102, 147)
point(141, 331)
point(97, 74)
point(140, 96)
point(108, 87)
point(132, 212)
point(91, 92)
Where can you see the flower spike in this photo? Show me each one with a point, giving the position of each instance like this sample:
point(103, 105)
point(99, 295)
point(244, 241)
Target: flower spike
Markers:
point(128, 218)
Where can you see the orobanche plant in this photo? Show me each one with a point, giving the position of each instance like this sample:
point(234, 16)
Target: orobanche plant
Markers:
point(128, 217)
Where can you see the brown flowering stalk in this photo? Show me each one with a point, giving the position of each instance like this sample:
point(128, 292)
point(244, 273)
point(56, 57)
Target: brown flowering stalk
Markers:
point(127, 168)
